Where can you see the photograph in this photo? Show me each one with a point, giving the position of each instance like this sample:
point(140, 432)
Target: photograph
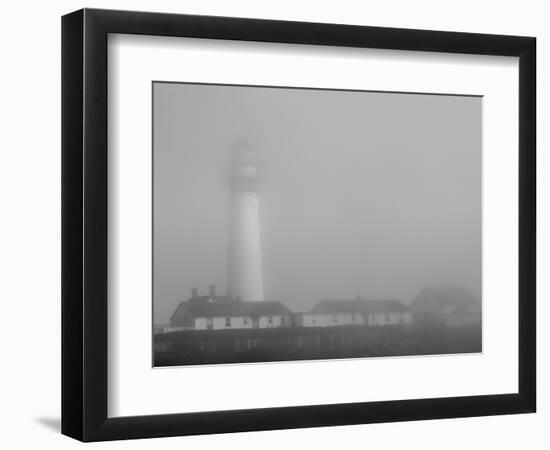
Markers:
point(323, 222)
point(298, 223)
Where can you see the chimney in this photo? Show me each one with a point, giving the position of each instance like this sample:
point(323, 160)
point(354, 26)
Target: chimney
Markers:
point(194, 292)
point(213, 291)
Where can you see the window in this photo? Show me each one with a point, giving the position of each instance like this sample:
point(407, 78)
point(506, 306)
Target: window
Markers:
point(245, 320)
point(334, 318)
point(228, 321)
point(283, 320)
point(270, 320)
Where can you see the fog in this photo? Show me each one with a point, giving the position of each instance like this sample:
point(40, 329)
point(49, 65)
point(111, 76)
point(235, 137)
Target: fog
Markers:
point(361, 193)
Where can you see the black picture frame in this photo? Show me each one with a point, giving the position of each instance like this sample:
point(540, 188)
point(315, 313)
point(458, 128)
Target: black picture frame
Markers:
point(84, 224)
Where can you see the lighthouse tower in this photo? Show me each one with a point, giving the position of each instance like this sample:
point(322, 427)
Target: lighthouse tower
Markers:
point(245, 259)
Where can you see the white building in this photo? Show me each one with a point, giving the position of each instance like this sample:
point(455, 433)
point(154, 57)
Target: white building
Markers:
point(450, 306)
point(213, 312)
point(245, 258)
point(330, 313)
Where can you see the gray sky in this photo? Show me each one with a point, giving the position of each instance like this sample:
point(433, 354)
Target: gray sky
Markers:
point(372, 194)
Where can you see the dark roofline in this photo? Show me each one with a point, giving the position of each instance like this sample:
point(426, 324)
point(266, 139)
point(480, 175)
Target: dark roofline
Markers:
point(234, 309)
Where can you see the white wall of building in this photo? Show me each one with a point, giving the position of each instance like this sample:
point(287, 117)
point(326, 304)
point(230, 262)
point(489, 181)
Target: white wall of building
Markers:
point(220, 323)
point(245, 263)
point(376, 319)
point(307, 320)
point(331, 320)
point(393, 318)
point(275, 321)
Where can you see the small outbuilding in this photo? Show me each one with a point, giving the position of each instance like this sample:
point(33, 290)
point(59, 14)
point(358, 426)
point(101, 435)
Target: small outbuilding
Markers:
point(450, 306)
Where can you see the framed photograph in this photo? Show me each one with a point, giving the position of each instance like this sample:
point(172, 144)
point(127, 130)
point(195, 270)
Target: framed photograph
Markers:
point(266, 224)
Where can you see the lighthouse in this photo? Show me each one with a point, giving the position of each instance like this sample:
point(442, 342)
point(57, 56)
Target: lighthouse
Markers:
point(245, 259)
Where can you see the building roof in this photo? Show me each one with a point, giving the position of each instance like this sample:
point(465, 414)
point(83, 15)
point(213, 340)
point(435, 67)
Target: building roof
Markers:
point(450, 300)
point(209, 298)
point(385, 306)
point(230, 308)
point(358, 306)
